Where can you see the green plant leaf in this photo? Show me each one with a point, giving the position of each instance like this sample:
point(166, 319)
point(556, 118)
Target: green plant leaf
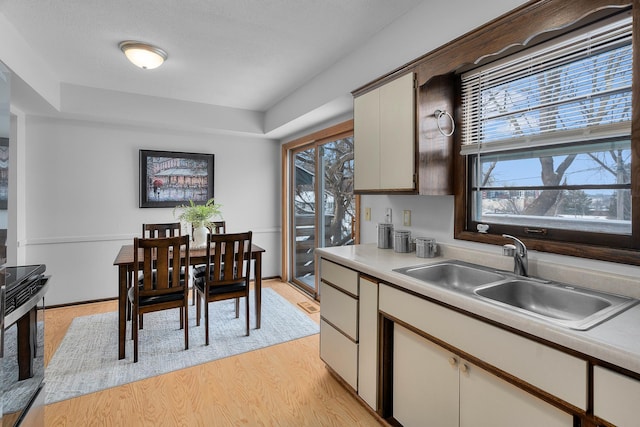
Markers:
point(198, 215)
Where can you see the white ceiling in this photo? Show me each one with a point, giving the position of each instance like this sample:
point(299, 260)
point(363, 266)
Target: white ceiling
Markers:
point(246, 54)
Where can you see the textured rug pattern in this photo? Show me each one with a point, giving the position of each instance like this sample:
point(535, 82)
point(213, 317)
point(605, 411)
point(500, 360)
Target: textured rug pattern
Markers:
point(87, 359)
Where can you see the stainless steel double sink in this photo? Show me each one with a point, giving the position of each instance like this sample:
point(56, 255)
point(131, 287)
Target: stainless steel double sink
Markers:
point(569, 306)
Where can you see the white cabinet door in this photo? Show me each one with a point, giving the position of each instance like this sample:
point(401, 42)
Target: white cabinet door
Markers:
point(397, 134)
point(384, 135)
point(615, 397)
point(366, 134)
point(425, 383)
point(486, 400)
point(368, 343)
point(433, 387)
point(549, 369)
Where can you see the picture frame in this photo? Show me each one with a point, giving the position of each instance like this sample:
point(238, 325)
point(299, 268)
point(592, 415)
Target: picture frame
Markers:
point(170, 178)
point(4, 173)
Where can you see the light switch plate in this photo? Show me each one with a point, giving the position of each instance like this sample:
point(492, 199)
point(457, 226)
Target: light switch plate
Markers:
point(406, 218)
point(367, 214)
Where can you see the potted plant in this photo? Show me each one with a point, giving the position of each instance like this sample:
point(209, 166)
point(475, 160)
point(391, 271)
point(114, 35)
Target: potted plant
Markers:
point(199, 216)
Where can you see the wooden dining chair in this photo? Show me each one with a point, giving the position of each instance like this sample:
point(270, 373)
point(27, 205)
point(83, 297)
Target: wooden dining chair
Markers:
point(167, 229)
point(218, 227)
point(163, 284)
point(227, 274)
point(156, 230)
point(215, 227)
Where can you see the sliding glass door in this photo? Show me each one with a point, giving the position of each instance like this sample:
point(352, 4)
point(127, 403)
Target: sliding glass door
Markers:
point(304, 216)
point(323, 206)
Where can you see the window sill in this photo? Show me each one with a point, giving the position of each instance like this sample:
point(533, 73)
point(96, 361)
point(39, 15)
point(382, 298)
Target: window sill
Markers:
point(601, 253)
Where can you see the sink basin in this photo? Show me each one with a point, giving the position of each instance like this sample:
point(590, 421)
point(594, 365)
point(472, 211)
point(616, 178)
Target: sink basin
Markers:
point(456, 275)
point(568, 306)
point(575, 308)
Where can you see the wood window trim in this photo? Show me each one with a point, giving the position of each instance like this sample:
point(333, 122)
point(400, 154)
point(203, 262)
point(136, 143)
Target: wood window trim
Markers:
point(338, 131)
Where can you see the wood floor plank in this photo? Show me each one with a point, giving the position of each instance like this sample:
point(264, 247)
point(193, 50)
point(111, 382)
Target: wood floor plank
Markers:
point(282, 385)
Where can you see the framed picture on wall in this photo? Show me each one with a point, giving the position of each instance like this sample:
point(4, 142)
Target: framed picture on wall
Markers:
point(4, 172)
point(169, 179)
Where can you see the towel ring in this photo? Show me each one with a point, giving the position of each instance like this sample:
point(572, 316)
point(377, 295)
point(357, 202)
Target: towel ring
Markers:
point(438, 114)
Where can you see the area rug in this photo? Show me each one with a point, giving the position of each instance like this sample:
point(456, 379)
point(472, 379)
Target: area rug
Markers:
point(87, 359)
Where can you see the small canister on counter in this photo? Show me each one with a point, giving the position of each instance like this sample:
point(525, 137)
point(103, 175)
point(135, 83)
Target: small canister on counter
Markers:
point(402, 241)
point(426, 247)
point(385, 231)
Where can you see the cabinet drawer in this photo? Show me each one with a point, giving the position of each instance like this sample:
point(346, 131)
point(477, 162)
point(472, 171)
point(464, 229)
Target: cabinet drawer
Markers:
point(615, 397)
point(340, 309)
point(339, 276)
point(340, 353)
point(551, 370)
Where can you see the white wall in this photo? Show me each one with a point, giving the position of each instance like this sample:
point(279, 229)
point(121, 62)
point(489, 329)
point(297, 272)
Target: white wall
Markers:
point(432, 216)
point(81, 188)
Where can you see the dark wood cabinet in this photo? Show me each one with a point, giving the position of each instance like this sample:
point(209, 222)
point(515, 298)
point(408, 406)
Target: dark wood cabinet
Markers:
point(435, 135)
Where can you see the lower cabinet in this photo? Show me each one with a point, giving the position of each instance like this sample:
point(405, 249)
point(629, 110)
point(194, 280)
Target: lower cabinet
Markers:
point(615, 397)
point(425, 382)
point(387, 344)
point(486, 400)
point(432, 386)
point(349, 328)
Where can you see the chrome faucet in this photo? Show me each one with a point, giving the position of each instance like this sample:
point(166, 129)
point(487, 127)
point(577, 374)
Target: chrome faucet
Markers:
point(519, 253)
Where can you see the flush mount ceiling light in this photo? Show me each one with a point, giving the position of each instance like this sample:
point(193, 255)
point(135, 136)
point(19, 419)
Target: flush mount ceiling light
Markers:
point(143, 55)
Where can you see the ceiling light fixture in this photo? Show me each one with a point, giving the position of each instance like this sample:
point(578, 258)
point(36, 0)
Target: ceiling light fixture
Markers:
point(143, 55)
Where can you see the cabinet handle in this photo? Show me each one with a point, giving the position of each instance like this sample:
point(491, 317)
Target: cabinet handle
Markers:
point(464, 368)
point(453, 361)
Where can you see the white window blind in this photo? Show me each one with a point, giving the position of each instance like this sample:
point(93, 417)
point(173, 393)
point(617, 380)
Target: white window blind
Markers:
point(572, 89)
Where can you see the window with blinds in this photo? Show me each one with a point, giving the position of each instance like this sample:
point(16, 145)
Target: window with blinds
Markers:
point(547, 133)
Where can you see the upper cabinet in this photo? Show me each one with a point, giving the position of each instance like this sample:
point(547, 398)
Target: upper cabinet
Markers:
point(384, 135)
point(387, 121)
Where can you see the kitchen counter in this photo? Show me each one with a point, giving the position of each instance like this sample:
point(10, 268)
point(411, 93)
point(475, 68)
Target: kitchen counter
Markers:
point(616, 341)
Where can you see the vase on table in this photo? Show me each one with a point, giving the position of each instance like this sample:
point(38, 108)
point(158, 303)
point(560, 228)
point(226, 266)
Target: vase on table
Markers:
point(200, 236)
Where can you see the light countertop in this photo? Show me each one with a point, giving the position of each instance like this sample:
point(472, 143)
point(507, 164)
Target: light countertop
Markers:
point(616, 341)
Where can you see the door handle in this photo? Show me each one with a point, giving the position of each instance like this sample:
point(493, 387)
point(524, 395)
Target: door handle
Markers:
point(353, 227)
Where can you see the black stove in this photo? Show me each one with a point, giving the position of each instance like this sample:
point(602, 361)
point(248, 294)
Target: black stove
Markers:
point(22, 346)
point(18, 274)
point(21, 283)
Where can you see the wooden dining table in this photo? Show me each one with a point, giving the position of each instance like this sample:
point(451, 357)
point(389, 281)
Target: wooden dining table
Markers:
point(125, 260)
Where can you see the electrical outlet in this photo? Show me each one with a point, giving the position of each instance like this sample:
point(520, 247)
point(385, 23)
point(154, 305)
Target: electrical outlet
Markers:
point(406, 218)
point(367, 214)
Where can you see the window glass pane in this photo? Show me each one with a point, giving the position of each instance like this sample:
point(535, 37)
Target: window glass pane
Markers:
point(304, 202)
point(337, 195)
point(585, 165)
point(527, 188)
point(593, 211)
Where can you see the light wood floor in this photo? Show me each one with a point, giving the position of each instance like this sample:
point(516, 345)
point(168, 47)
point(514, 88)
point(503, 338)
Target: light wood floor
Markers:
point(281, 385)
